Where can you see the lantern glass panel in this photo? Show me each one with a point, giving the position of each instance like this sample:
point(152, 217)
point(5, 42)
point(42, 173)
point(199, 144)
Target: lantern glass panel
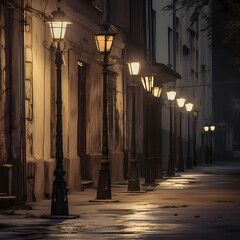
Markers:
point(100, 43)
point(134, 68)
point(181, 102)
point(171, 95)
point(206, 128)
point(109, 42)
point(212, 128)
point(58, 29)
point(143, 83)
point(189, 107)
point(148, 82)
point(157, 92)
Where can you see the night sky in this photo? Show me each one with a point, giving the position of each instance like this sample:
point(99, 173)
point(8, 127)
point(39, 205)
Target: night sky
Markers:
point(226, 74)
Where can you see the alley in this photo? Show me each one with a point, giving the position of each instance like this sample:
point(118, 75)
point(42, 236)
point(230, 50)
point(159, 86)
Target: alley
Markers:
point(203, 203)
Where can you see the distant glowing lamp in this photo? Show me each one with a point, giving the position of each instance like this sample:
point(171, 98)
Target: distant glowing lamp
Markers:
point(206, 128)
point(171, 94)
point(189, 107)
point(157, 92)
point(147, 82)
point(134, 68)
point(181, 102)
point(212, 128)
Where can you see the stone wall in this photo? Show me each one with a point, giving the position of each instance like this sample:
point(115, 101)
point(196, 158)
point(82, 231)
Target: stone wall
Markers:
point(28, 84)
point(3, 157)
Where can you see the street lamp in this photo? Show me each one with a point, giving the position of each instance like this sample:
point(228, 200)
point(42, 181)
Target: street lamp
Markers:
point(171, 94)
point(206, 129)
point(59, 208)
point(195, 115)
point(189, 107)
point(148, 82)
point(104, 42)
point(180, 102)
point(133, 178)
point(212, 129)
point(156, 92)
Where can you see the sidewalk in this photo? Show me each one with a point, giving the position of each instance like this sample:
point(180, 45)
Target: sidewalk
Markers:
point(203, 203)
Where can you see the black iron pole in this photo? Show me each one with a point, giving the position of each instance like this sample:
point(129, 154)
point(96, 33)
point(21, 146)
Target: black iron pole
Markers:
point(133, 180)
point(189, 160)
point(59, 197)
point(194, 142)
point(180, 161)
point(150, 173)
point(171, 170)
point(211, 147)
point(206, 148)
point(104, 182)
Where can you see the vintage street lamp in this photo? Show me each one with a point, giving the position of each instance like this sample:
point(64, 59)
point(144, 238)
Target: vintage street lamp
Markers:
point(133, 178)
point(189, 107)
point(180, 102)
point(171, 94)
point(212, 129)
point(206, 129)
point(59, 208)
point(195, 115)
point(156, 92)
point(104, 42)
point(148, 82)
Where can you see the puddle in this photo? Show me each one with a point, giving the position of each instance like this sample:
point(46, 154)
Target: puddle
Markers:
point(174, 206)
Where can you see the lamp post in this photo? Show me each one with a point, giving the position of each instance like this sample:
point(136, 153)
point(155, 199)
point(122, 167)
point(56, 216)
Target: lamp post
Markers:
point(104, 42)
point(189, 107)
point(59, 206)
point(147, 82)
point(133, 178)
point(212, 129)
point(180, 102)
point(195, 115)
point(156, 92)
point(171, 94)
point(206, 129)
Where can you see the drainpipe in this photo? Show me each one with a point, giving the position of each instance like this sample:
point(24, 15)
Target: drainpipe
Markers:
point(150, 31)
point(174, 35)
point(23, 117)
point(174, 68)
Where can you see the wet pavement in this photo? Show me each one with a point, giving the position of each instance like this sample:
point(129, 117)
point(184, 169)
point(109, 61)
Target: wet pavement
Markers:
point(203, 203)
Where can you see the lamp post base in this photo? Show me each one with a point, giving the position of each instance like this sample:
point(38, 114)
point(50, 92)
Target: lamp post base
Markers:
point(104, 182)
point(59, 198)
point(133, 180)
